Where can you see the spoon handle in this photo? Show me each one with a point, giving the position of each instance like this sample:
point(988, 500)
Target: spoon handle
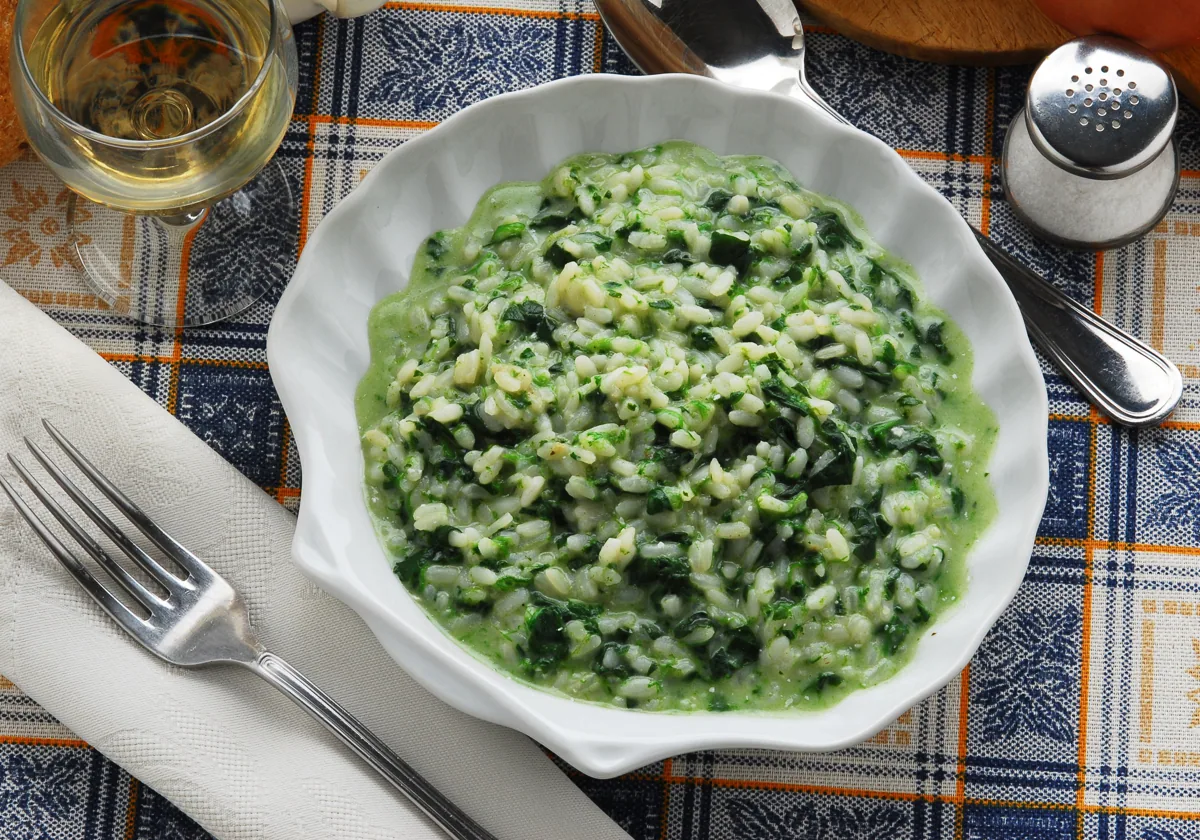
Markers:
point(1130, 382)
point(1127, 380)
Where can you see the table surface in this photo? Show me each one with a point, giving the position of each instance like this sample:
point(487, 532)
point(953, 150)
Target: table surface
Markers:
point(1079, 717)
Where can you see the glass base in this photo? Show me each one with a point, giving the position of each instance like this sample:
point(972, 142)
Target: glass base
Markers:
point(190, 271)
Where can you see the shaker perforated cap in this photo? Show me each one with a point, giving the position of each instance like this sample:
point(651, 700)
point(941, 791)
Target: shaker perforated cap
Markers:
point(1101, 107)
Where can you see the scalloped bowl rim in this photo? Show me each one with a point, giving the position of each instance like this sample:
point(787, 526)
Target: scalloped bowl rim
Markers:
point(318, 336)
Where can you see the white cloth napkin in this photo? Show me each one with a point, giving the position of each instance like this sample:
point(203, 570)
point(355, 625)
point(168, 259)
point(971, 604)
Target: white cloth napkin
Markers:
point(220, 743)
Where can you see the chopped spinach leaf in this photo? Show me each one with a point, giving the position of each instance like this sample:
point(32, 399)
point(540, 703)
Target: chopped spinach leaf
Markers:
point(435, 246)
point(559, 256)
point(792, 397)
point(826, 679)
point(730, 248)
point(532, 316)
point(678, 255)
point(835, 466)
point(934, 338)
point(718, 703)
point(507, 231)
point(425, 549)
point(832, 232)
point(667, 573)
point(702, 338)
point(893, 635)
point(866, 531)
point(717, 199)
point(692, 623)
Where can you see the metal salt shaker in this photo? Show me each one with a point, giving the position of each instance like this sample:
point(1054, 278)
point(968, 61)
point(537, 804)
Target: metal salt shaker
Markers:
point(1090, 162)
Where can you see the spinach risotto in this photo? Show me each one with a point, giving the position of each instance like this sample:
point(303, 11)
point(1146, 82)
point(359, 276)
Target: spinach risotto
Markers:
point(668, 431)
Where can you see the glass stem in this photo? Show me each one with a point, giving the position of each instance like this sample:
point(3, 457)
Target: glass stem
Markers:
point(186, 219)
point(176, 227)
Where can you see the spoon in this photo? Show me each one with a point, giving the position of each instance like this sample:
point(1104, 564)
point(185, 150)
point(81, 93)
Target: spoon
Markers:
point(759, 44)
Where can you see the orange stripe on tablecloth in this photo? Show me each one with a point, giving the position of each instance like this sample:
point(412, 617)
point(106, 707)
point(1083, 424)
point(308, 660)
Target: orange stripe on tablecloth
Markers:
point(1085, 647)
point(306, 190)
point(790, 787)
point(905, 796)
point(73, 300)
point(140, 357)
point(866, 793)
point(185, 256)
point(486, 10)
point(1146, 689)
point(598, 57)
point(1067, 542)
point(325, 119)
point(1088, 809)
point(1158, 295)
point(131, 809)
point(1098, 272)
point(128, 235)
point(955, 157)
point(316, 85)
point(6, 683)
point(989, 122)
point(283, 461)
point(1141, 812)
point(666, 797)
point(1085, 641)
point(26, 741)
point(1101, 420)
point(960, 767)
point(310, 144)
point(1117, 545)
point(173, 380)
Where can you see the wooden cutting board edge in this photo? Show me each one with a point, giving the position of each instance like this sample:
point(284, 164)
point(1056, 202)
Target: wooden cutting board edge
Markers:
point(994, 33)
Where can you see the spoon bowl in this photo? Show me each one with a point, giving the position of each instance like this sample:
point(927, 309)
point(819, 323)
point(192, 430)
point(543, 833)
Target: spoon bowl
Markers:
point(748, 43)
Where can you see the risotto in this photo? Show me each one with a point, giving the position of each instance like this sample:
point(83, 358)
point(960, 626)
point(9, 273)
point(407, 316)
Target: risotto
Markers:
point(668, 431)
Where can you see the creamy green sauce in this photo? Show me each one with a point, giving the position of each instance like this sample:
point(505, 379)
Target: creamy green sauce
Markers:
point(849, 442)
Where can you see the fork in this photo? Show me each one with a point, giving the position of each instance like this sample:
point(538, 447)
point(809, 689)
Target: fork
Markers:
point(201, 620)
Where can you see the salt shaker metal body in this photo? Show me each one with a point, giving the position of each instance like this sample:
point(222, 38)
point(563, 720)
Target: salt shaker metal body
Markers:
point(1091, 162)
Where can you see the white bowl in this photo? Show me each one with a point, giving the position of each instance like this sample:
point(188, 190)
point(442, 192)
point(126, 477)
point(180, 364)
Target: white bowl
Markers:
point(363, 250)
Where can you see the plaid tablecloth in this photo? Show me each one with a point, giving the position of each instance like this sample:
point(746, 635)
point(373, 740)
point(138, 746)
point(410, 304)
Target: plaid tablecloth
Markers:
point(1079, 718)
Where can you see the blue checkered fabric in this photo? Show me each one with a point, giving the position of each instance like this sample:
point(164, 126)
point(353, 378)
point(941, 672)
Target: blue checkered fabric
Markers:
point(1080, 716)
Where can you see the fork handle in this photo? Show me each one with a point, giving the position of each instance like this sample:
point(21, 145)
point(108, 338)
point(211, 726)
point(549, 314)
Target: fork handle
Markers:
point(448, 816)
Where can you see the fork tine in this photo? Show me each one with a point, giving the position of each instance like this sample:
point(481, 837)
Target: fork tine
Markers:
point(189, 562)
point(93, 548)
point(133, 624)
point(132, 550)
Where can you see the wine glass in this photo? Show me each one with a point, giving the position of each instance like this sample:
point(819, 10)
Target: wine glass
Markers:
point(163, 116)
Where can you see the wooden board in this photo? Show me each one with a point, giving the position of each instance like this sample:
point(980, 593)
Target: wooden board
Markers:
point(985, 32)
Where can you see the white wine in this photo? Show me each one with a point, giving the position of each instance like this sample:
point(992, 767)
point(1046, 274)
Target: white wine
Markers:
point(150, 69)
point(173, 84)
point(161, 109)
